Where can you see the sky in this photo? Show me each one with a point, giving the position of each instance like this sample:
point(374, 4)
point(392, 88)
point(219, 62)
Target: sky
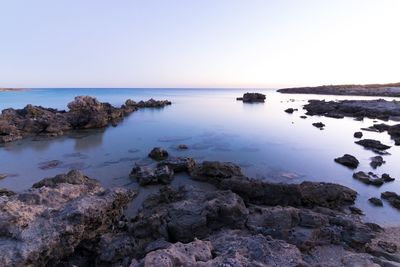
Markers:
point(198, 43)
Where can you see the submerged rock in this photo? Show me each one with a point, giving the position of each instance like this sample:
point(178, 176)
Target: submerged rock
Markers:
point(252, 98)
point(348, 161)
point(179, 164)
point(376, 201)
point(183, 147)
point(158, 153)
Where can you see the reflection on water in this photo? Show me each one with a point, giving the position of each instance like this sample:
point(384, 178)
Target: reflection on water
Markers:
point(264, 140)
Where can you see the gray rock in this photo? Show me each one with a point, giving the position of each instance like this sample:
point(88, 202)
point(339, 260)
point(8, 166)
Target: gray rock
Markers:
point(348, 161)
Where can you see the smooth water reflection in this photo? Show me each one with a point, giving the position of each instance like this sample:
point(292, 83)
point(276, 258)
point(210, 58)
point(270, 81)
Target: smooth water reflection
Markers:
point(264, 140)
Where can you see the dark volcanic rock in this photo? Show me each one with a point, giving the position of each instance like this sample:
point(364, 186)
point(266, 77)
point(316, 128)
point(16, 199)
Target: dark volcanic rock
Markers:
point(380, 109)
point(303, 117)
point(390, 89)
point(252, 98)
point(376, 161)
point(368, 178)
point(348, 161)
point(372, 144)
point(290, 110)
point(45, 224)
point(179, 164)
point(158, 153)
point(84, 112)
point(392, 198)
point(375, 201)
point(147, 175)
point(319, 125)
point(393, 131)
point(358, 134)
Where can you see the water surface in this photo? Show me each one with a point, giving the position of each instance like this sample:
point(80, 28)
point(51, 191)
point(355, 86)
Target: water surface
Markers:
point(264, 140)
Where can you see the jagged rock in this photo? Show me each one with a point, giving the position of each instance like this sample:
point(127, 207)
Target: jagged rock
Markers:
point(319, 125)
point(151, 103)
point(387, 178)
point(392, 198)
point(348, 161)
point(147, 175)
point(358, 134)
point(368, 178)
point(380, 109)
point(376, 162)
point(6, 192)
point(372, 144)
point(252, 98)
point(376, 201)
point(43, 225)
point(179, 164)
point(158, 153)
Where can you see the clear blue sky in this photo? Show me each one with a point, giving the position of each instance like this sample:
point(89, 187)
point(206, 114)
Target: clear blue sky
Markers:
point(198, 43)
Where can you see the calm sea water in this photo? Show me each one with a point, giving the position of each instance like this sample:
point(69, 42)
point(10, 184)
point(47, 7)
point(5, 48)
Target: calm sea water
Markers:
point(267, 142)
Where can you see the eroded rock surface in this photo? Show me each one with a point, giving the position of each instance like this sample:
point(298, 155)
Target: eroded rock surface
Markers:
point(46, 223)
point(84, 112)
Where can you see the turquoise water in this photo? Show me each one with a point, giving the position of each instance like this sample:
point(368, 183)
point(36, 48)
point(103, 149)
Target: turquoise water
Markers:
point(267, 142)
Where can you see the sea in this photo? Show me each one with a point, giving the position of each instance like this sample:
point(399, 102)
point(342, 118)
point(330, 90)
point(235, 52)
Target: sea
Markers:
point(267, 143)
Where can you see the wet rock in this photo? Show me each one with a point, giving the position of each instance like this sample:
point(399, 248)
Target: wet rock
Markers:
point(376, 201)
point(50, 164)
point(73, 177)
point(355, 210)
point(215, 171)
point(376, 162)
point(252, 98)
point(319, 125)
point(303, 117)
point(386, 246)
point(151, 103)
point(84, 112)
point(147, 175)
point(358, 134)
point(183, 147)
point(158, 153)
point(179, 164)
point(6, 192)
point(348, 161)
point(368, 178)
point(387, 178)
point(392, 198)
point(380, 109)
point(46, 224)
point(290, 110)
point(372, 144)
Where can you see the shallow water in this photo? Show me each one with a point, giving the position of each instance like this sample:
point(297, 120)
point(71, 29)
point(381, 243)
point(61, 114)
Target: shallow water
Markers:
point(267, 142)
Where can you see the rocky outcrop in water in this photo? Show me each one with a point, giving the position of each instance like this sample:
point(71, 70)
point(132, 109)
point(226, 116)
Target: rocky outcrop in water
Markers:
point(375, 109)
point(372, 144)
point(390, 90)
point(348, 161)
point(371, 178)
point(252, 98)
point(392, 130)
point(84, 112)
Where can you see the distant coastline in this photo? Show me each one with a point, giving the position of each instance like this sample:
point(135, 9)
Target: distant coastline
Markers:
point(12, 89)
point(385, 90)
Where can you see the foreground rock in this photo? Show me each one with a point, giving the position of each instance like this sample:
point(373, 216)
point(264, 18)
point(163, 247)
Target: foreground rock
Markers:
point(147, 175)
point(84, 112)
point(158, 153)
point(252, 98)
point(391, 89)
point(348, 161)
point(48, 222)
point(375, 109)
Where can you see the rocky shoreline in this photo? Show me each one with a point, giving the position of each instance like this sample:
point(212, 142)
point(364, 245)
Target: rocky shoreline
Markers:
point(386, 90)
point(85, 112)
point(71, 220)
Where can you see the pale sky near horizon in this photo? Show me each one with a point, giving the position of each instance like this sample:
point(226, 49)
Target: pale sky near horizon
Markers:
point(203, 43)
